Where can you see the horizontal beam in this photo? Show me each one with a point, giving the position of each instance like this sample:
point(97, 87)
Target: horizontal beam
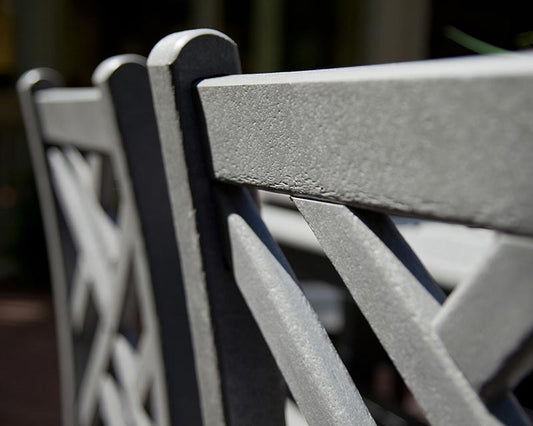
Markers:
point(74, 116)
point(445, 139)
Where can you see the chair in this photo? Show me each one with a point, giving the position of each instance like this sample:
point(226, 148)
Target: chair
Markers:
point(435, 140)
point(124, 344)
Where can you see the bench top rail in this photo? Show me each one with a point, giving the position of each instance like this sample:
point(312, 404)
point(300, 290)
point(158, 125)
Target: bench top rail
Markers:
point(74, 115)
point(447, 139)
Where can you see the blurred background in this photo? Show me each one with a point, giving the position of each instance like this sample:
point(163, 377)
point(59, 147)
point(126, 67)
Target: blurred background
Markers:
point(74, 36)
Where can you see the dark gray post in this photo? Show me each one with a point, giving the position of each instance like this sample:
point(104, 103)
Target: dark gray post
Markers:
point(129, 87)
point(124, 341)
point(239, 381)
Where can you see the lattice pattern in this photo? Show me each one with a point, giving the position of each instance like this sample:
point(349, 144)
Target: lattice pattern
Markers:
point(330, 135)
point(122, 380)
point(447, 355)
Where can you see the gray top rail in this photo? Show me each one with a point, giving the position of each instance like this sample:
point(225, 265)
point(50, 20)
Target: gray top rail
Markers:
point(445, 139)
point(61, 110)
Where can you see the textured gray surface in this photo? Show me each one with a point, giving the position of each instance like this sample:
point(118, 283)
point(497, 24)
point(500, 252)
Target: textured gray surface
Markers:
point(164, 54)
point(239, 381)
point(444, 139)
point(312, 368)
point(107, 256)
point(132, 99)
point(491, 315)
point(450, 252)
point(399, 309)
point(432, 138)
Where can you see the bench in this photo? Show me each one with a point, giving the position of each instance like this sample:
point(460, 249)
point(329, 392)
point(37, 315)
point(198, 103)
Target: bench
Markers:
point(174, 302)
point(123, 336)
point(446, 140)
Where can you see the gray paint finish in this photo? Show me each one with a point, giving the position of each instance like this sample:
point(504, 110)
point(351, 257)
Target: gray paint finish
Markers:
point(164, 54)
point(447, 139)
point(399, 309)
point(60, 110)
point(239, 381)
point(106, 256)
point(441, 139)
point(491, 314)
point(130, 90)
point(312, 368)
point(28, 84)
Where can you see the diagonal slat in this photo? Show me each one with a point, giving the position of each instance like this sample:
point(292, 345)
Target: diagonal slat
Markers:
point(111, 403)
point(84, 178)
point(102, 346)
point(96, 162)
point(400, 311)
point(146, 355)
point(313, 370)
point(80, 293)
point(126, 364)
point(85, 119)
point(81, 225)
point(492, 314)
point(95, 369)
point(386, 231)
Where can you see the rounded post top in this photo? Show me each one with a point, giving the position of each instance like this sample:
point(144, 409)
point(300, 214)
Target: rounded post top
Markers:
point(30, 78)
point(168, 49)
point(106, 68)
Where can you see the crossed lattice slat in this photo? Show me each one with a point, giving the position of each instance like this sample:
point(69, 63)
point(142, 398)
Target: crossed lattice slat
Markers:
point(106, 252)
point(401, 139)
point(436, 349)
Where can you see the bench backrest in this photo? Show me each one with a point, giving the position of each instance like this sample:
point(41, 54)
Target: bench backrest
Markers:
point(449, 140)
point(124, 343)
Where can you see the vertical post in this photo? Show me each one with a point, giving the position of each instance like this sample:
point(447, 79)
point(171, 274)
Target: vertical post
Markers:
point(238, 379)
point(124, 80)
point(28, 84)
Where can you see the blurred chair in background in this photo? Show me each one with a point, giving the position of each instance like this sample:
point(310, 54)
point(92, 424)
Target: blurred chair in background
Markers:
point(124, 345)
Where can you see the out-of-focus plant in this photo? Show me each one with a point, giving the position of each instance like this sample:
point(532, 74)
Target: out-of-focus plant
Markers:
point(471, 43)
